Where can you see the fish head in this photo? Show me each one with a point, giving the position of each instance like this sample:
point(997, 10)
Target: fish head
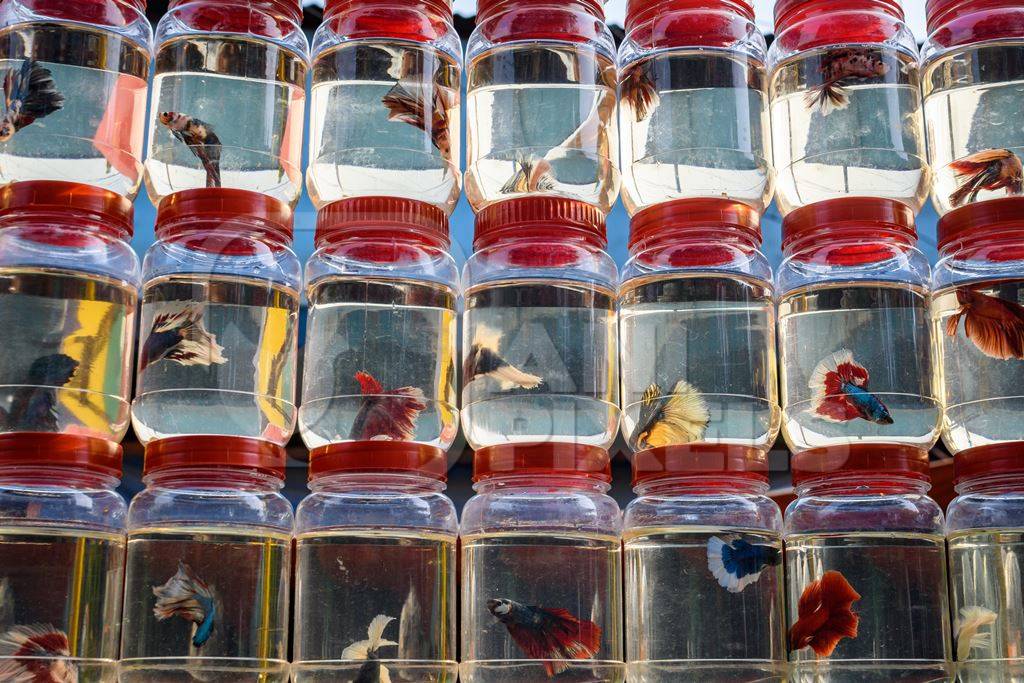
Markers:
point(7, 130)
point(56, 369)
point(500, 607)
point(167, 117)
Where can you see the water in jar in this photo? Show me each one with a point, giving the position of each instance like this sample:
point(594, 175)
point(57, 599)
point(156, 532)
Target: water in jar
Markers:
point(62, 587)
point(689, 618)
point(669, 150)
point(216, 356)
point(888, 587)
point(569, 584)
point(206, 604)
point(539, 363)
point(846, 121)
point(353, 586)
point(675, 333)
point(540, 120)
point(856, 366)
point(227, 112)
point(66, 365)
point(385, 122)
point(379, 347)
point(975, 133)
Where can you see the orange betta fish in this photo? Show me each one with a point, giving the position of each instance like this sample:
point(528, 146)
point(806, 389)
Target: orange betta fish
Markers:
point(408, 103)
point(837, 69)
point(990, 169)
point(637, 88)
point(824, 615)
point(994, 325)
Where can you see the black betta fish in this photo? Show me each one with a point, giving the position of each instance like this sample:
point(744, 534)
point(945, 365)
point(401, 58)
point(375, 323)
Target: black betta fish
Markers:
point(34, 407)
point(29, 95)
point(369, 650)
point(200, 138)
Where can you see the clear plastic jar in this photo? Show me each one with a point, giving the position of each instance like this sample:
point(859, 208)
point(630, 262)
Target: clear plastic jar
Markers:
point(376, 546)
point(61, 557)
point(218, 334)
point(386, 114)
point(84, 119)
point(209, 564)
point(382, 326)
point(541, 560)
point(856, 362)
point(696, 290)
point(540, 342)
point(973, 74)
point(540, 103)
point(846, 103)
point(704, 588)
point(229, 98)
point(69, 286)
point(685, 63)
point(866, 574)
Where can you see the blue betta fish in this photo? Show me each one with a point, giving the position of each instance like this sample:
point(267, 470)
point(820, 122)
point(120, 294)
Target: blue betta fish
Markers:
point(841, 394)
point(34, 405)
point(29, 95)
point(187, 596)
point(737, 563)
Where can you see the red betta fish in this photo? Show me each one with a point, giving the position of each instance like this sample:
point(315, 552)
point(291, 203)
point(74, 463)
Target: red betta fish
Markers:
point(838, 67)
point(36, 654)
point(553, 635)
point(29, 94)
point(996, 326)
point(386, 415)
point(824, 615)
point(637, 88)
point(180, 336)
point(840, 386)
point(411, 108)
point(201, 140)
point(990, 169)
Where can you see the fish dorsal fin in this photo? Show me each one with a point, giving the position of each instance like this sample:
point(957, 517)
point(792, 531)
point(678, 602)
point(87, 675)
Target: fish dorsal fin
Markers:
point(651, 394)
point(375, 632)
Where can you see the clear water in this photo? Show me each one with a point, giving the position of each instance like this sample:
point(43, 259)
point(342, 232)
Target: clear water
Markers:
point(541, 102)
point(886, 327)
point(668, 149)
point(251, 93)
point(356, 149)
point(53, 320)
point(97, 137)
point(251, 394)
point(680, 328)
point(875, 147)
point(401, 332)
point(561, 332)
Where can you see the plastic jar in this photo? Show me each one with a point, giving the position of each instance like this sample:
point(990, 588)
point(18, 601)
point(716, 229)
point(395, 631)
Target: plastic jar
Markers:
point(382, 327)
point(209, 564)
point(84, 119)
point(61, 557)
point(541, 565)
point(69, 286)
point(386, 114)
point(972, 73)
point(845, 103)
point(540, 103)
point(683, 64)
point(376, 545)
point(229, 98)
point(855, 356)
point(539, 332)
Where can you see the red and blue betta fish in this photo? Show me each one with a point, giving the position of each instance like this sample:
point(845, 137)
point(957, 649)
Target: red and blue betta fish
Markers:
point(36, 654)
point(552, 635)
point(34, 407)
point(841, 393)
point(737, 563)
point(29, 95)
point(200, 139)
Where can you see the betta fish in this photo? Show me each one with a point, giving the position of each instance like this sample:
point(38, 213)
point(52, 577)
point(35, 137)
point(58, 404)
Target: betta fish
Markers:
point(200, 138)
point(180, 336)
point(737, 564)
point(29, 95)
point(483, 361)
point(637, 88)
point(680, 418)
point(185, 595)
point(36, 654)
point(532, 174)
point(824, 615)
point(990, 169)
point(369, 650)
point(841, 393)
point(386, 415)
point(548, 634)
point(967, 627)
point(995, 325)
point(837, 68)
point(34, 406)
point(406, 107)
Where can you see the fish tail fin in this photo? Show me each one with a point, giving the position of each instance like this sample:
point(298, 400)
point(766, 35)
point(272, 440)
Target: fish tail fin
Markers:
point(827, 98)
point(511, 377)
point(967, 630)
point(368, 384)
point(184, 595)
point(573, 638)
point(968, 191)
point(830, 401)
point(685, 413)
point(41, 97)
point(198, 346)
point(953, 321)
point(375, 632)
point(36, 640)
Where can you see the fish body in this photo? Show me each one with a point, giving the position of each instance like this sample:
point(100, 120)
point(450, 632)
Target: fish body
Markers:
point(29, 95)
point(34, 406)
point(637, 88)
point(389, 415)
point(825, 615)
point(680, 418)
point(532, 174)
point(180, 336)
point(841, 394)
point(737, 563)
point(836, 68)
point(407, 103)
point(990, 169)
point(552, 635)
point(967, 630)
point(187, 596)
point(994, 325)
point(372, 671)
point(36, 654)
point(200, 139)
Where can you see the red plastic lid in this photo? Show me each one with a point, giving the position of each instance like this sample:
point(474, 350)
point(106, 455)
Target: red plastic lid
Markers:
point(981, 220)
point(661, 223)
point(382, 218)
point(183, 452)
point(489, 8)
point(789, 12)
point(639, 11)
point(71, 205)
point(378, 457)
point(286, 8)
point(215, 209)
point(40, 449)
point(701, 460)
point(876, 223)
point(545, 218)
point(940, 12)
point(986, 461)
point(862, 458)
point(440, 7)
point(542, 459)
